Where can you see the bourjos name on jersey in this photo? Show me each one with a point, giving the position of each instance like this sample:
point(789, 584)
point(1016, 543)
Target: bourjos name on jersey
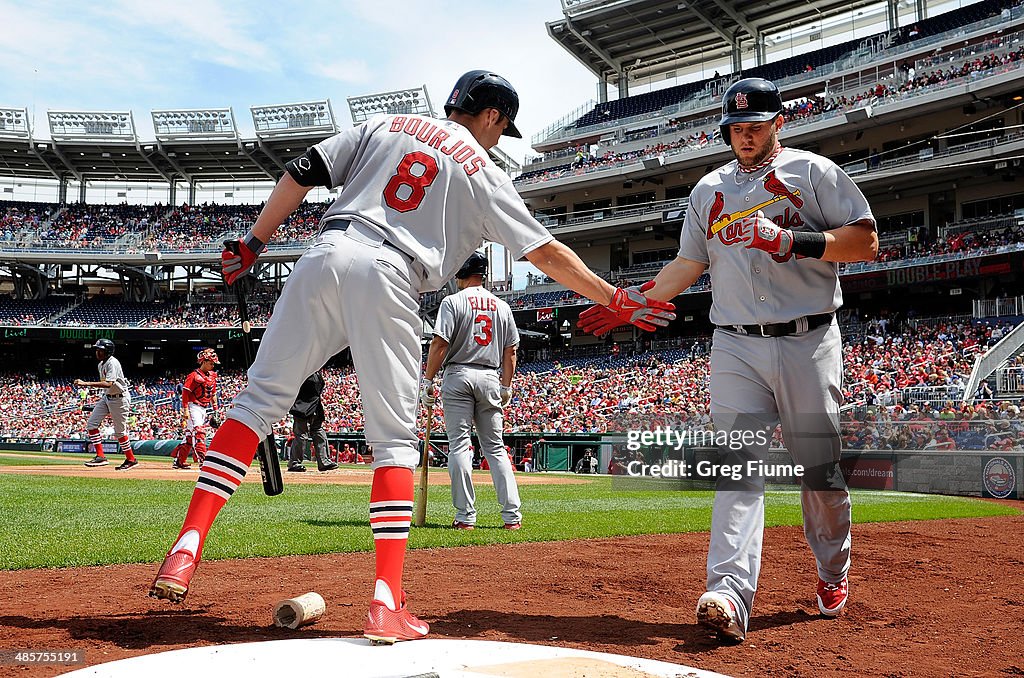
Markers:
point(434, 136)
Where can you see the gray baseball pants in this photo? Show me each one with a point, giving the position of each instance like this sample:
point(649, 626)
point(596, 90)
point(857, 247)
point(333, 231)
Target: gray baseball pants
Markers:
point(473, 394)
point(758, 382)
point(117, 408)
point(347, 290)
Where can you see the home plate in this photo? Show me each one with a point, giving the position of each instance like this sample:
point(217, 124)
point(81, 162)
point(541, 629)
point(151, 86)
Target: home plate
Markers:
point(356, 658)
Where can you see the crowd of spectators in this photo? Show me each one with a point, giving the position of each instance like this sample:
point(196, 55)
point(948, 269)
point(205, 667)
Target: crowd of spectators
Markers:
point(17, 217)
point(968, 242)
point(154, 227)
point(909, 83)
point(210, 314)
point(900, 387)
point(84, 226)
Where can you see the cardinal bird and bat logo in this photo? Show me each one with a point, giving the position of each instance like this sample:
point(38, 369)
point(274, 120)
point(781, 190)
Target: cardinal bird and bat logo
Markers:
point(718, 220)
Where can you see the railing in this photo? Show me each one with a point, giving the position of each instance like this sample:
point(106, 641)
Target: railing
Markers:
point(914, 395)
point(996, 308)
point(860, 167)
point(567, 120)
point(622, 212)
point(864, 267)
point(986, 364)
point(979, 225)
point(924, 433)
point(1010, 380)
point(853, 59)
point(892, 238)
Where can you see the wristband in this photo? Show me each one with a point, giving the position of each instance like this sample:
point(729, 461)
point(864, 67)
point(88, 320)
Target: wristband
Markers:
point(808, 244)
point(254, 244)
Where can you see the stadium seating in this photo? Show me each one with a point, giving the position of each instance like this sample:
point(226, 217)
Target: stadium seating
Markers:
point(891, 374)
point(652, 102)
point(107, 312)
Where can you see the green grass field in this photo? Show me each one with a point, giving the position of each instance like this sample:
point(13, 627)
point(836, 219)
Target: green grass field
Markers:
point(76, 521)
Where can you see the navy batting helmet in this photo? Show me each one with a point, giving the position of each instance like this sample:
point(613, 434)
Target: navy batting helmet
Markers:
point(749, 100)
point(477, 90)
point(475, 265)
point(104, 345)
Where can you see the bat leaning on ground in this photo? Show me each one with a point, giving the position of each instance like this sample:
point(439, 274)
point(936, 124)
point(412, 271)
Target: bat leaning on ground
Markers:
point(421, 490)
point(266, 453)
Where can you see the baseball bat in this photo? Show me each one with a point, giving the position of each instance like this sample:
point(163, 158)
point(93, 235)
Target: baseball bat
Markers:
point(266, 452)
point(730, 218)
point(421, 489)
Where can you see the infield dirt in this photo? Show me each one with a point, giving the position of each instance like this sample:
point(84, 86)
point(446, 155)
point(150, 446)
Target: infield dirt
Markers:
point(929, 598)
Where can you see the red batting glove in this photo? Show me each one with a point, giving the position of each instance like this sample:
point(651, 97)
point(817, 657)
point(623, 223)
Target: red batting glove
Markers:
point(631, 306)
point(239, 256)
point(598, 320)
point(764, 235)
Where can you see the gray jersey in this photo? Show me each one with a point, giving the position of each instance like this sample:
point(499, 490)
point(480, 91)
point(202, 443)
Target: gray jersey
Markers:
point(478, 327)
point(800, 191)
point(110, 370)
point(437, 217)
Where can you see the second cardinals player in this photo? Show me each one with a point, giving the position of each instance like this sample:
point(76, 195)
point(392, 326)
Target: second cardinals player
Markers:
point(198, 395)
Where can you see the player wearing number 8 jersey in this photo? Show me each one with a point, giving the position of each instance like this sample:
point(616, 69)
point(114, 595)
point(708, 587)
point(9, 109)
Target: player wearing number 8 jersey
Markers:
point(417, 196)
point(475, 335)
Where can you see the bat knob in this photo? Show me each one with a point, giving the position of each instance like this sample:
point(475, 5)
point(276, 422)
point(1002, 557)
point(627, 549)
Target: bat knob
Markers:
point(246, 326)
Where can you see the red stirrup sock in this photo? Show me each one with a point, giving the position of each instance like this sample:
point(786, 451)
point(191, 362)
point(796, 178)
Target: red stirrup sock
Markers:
point(94, 438)
point(126, 448)
point(231, 452)
point(391, 499)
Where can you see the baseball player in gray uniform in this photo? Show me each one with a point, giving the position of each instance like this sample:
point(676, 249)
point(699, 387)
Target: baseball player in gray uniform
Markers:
point(417, 196)
point(115, 402)
point(770, 227)
point(475, 335)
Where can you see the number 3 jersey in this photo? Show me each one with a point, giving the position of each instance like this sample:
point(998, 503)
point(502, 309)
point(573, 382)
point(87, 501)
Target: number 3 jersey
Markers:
point(430, 189)
point(478, 327)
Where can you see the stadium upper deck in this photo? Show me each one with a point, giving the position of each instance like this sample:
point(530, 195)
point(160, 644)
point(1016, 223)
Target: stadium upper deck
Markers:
point(653, 34)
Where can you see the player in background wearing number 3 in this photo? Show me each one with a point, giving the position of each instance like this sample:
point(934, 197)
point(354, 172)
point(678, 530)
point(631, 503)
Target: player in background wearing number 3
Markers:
point(417, 196)
point(475, 335)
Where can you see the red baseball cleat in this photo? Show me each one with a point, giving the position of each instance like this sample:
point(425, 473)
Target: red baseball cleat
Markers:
point(832, 597)
point(175, 574)
point(456, 525)
point(717, 612)
point(385, 626)
point(513, 526)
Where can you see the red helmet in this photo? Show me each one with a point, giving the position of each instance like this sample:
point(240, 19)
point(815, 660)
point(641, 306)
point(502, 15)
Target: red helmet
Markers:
point(208, 354)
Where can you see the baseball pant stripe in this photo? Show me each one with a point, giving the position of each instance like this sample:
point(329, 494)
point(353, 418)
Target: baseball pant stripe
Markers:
point(226, 464)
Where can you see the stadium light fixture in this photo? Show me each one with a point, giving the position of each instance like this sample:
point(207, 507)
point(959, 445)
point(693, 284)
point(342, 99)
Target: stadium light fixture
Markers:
point(14, 123)
point(91, 125)
point(194, 123)
point(293, 119)
point(407, 101)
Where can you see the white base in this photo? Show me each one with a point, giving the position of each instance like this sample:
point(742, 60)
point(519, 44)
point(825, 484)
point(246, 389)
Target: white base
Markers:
point(446, 658)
